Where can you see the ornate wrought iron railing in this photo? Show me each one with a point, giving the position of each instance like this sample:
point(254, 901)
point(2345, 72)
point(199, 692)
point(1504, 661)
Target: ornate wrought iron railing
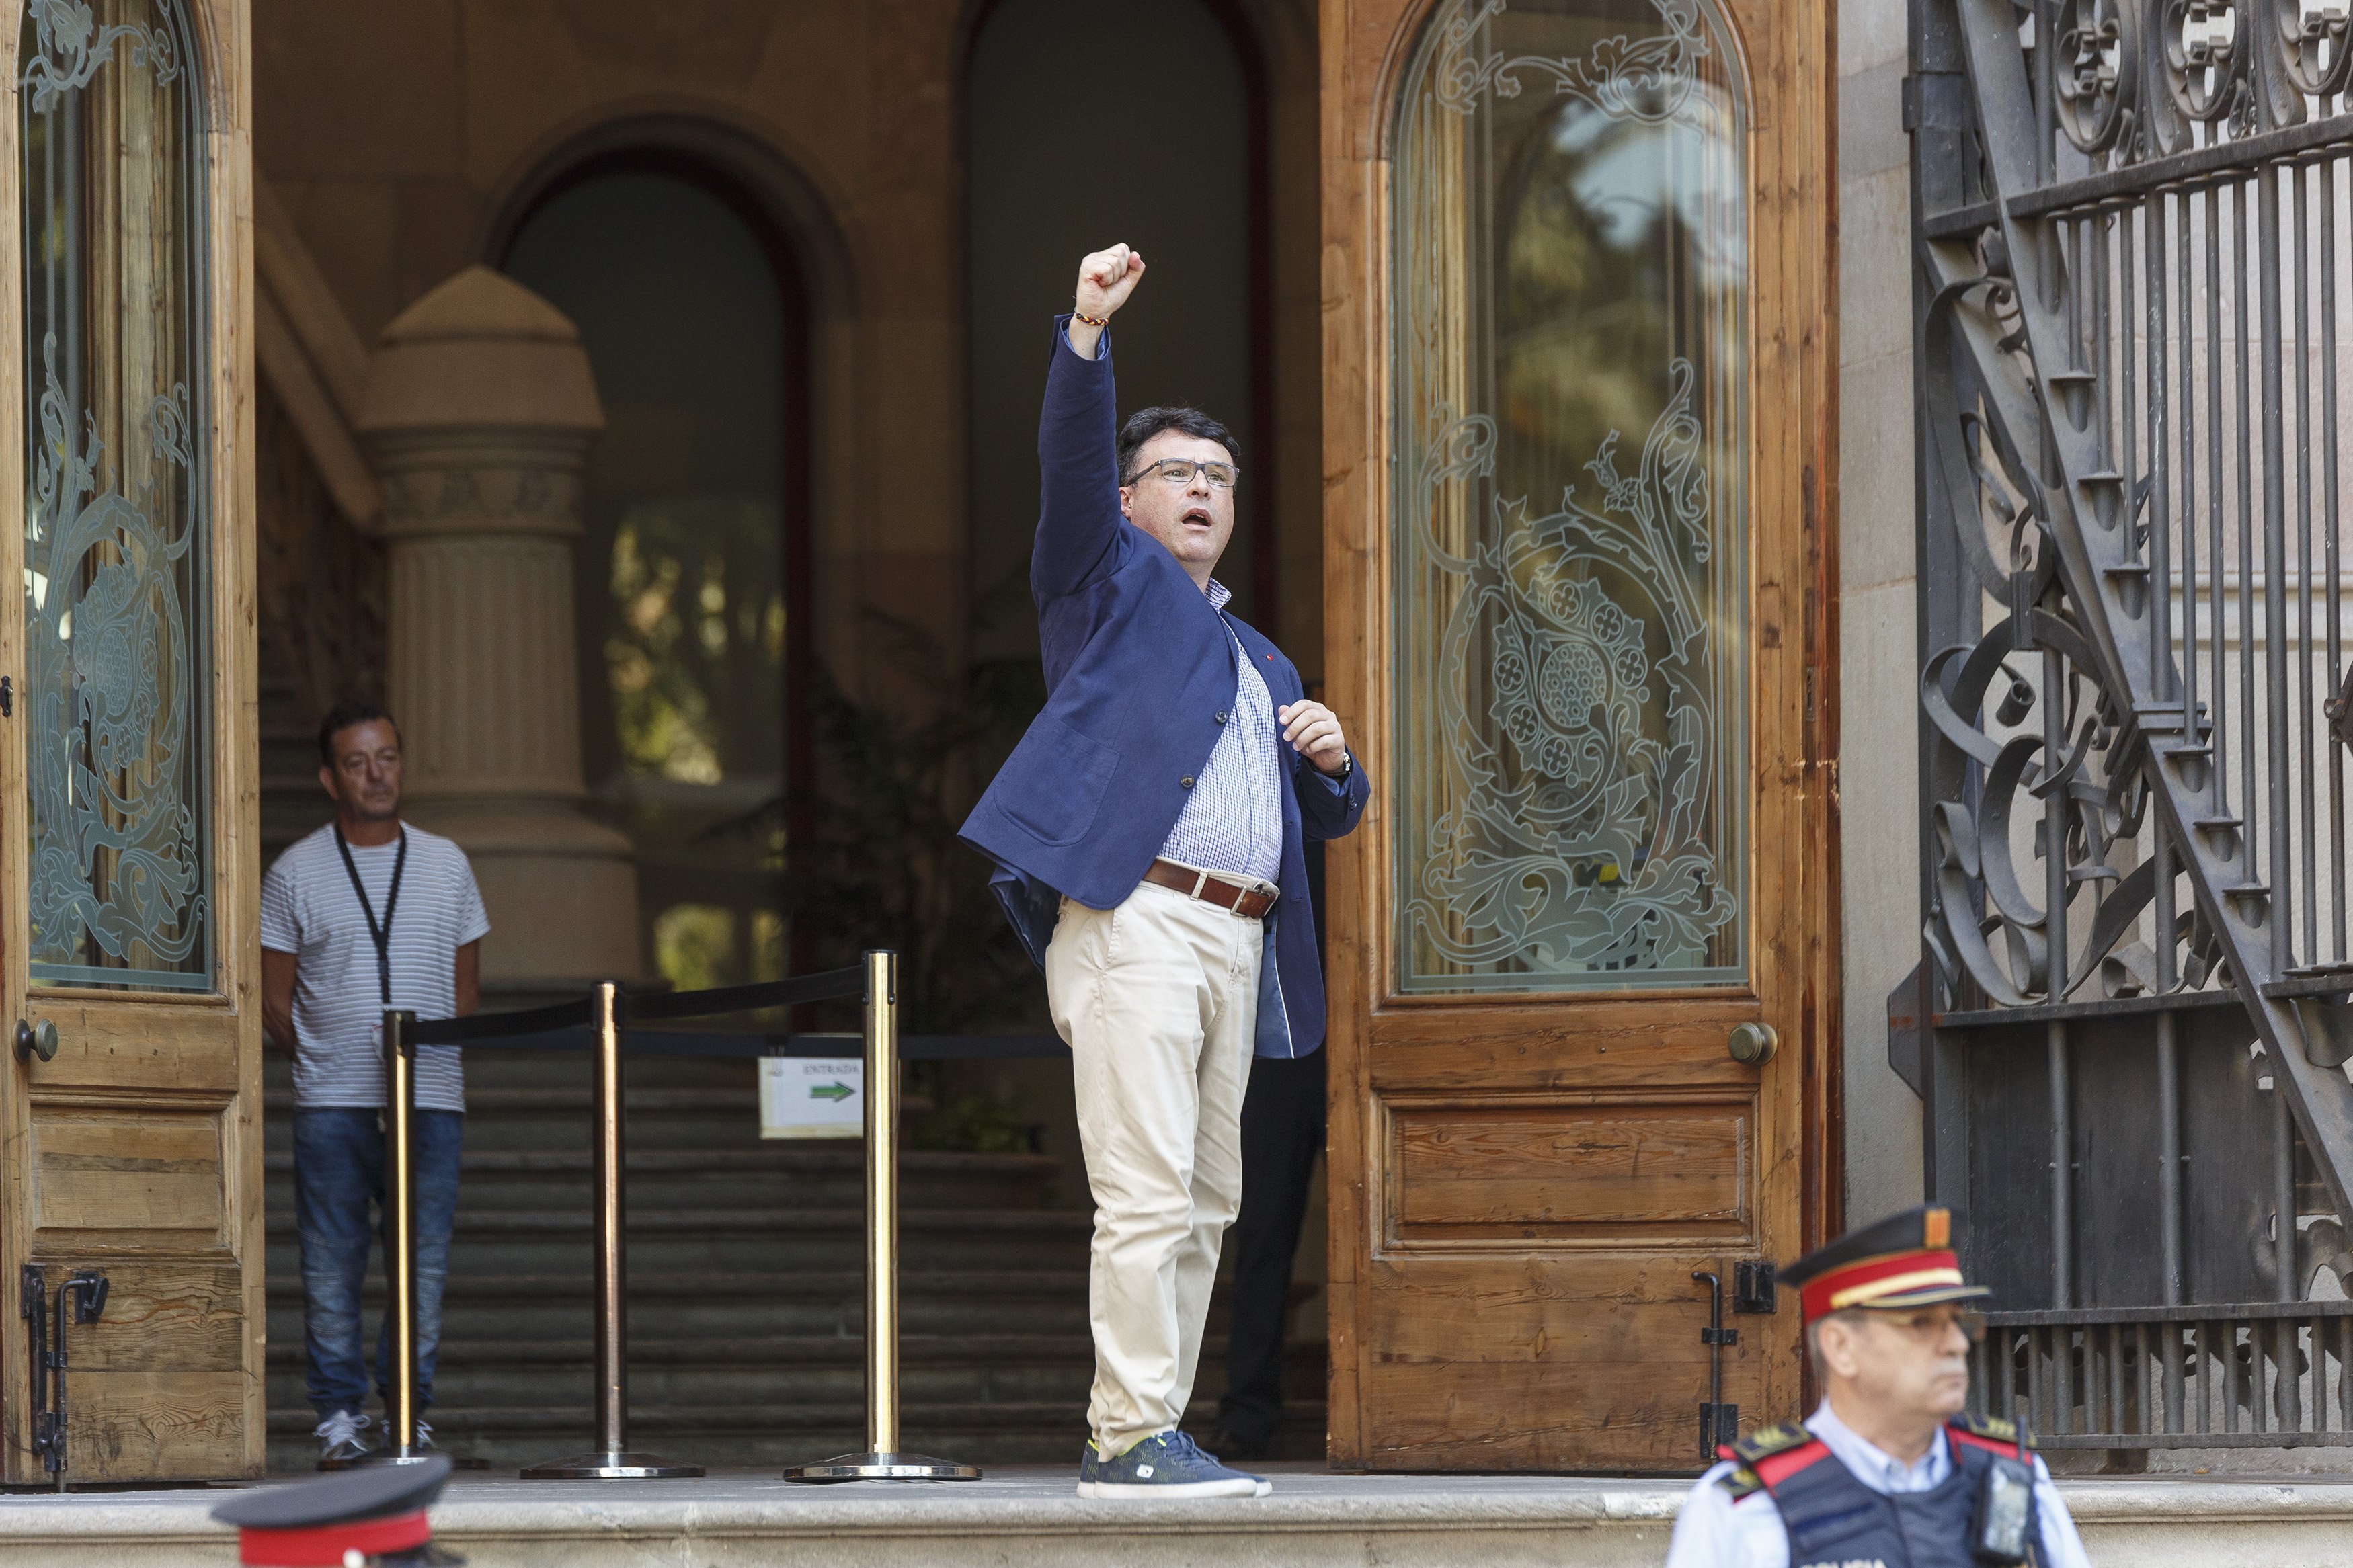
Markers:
point(2247, 1376)
point(2133, 238)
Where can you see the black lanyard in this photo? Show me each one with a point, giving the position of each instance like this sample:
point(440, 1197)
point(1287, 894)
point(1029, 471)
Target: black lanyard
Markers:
point(380, 934)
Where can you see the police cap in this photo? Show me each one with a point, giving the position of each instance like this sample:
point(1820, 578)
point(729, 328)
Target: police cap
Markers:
point(1908, 1259)
point(362, 1514)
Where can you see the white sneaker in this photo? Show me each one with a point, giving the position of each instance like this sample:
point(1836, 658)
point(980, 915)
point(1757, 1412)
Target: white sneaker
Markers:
point(338, 1437)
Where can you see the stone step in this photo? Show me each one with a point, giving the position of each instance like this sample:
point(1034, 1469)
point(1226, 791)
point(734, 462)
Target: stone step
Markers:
point(812, 1174)
point(769, 1240)
point(501, 1067)
point(1029, 1517)
point(558, 1119)
point(937, 1369)
point(1045, 1432)
point(692, 1305)
point(695, 1388)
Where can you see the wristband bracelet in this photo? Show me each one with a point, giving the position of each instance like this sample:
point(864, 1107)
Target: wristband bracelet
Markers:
point(1079, 315)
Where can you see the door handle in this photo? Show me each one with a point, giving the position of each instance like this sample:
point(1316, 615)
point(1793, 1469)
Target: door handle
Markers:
point(1753, 1044)
point(37, 1037)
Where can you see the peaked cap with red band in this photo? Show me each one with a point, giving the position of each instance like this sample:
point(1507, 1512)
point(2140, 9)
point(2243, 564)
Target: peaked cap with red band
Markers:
point(376, 1511)
point(1908, 1259)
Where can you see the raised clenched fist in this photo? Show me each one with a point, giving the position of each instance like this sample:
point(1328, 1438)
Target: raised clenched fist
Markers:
point(1106, 279)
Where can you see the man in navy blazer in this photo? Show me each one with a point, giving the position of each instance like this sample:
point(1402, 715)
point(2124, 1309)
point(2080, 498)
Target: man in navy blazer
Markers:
point(1148, 834)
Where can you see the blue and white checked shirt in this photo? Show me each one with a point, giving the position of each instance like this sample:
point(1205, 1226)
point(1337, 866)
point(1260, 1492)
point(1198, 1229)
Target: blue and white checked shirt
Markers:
point(1233, 822)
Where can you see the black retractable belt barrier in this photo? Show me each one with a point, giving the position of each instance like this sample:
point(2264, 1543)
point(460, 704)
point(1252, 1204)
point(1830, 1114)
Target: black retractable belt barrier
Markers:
point(558, 1028)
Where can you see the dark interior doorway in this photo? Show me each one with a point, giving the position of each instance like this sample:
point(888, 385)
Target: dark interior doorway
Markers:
point(1087, 126)
point(693, 575)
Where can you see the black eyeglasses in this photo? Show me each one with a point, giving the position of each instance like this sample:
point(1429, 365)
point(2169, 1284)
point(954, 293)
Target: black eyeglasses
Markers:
point(1180, 472)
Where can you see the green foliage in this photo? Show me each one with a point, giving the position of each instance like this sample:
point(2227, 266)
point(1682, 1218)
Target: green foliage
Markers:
point(973, 1124)
point(878, 863)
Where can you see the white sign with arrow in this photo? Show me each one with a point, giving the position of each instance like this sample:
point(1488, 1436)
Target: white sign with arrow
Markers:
point(812, 1097)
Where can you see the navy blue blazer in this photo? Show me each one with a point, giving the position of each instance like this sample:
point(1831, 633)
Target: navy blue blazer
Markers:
point(1138, 670)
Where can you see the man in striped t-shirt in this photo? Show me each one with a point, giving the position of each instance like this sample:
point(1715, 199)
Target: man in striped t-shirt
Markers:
point(364, 915)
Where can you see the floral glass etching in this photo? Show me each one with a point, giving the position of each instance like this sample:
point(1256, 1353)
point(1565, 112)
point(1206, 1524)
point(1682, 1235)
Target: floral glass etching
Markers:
point(1571, 539)
point(117, 640)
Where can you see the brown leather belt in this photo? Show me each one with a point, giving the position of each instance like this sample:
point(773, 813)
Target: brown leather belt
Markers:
point(1244, 899)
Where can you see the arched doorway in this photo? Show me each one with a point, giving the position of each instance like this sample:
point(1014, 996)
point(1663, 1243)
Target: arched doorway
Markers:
point(1583, 1040)
point(693, 579)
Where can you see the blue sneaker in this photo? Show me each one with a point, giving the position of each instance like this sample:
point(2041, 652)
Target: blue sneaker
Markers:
point(1087, 1468)
point(1265, 1487)
point(1167, 1464)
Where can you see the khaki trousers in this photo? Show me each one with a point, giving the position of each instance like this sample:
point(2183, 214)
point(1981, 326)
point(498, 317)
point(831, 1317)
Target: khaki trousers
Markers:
point(1158, 1000)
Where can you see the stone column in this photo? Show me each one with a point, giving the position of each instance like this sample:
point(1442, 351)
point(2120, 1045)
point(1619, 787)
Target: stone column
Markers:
point(479, 413)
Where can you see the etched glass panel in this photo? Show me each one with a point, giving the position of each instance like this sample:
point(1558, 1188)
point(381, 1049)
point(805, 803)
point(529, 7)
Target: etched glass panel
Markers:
point(117, 645)
point(1571, 529)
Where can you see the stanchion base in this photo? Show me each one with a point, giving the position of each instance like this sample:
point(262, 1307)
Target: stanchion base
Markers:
point(610, 1467)
point(406, 1457)
point(883, 1467)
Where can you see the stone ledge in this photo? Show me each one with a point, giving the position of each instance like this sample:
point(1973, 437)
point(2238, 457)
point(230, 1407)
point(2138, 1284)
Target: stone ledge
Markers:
point(1028, 1519)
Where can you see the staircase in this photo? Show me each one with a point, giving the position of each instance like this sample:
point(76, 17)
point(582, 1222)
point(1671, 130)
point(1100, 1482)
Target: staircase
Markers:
point(746, 1267)
point(292, 804)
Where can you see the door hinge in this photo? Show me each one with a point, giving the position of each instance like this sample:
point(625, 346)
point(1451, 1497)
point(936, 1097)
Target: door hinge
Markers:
point(7, 697)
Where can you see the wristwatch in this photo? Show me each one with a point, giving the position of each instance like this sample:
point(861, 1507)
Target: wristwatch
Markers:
point(1347, 766)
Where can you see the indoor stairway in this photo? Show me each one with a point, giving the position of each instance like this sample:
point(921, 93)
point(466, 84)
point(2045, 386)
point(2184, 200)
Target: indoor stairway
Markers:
point(747, 1264)
point(745, 1270)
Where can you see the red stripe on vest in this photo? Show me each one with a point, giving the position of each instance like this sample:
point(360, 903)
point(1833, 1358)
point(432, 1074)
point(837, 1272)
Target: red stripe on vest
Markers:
point(324, 1547)
point(1775, 1469)
point(1990, 1445)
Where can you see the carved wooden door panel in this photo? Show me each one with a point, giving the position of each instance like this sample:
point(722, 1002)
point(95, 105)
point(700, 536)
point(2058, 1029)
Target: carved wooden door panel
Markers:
point(1576, 398)
point(129, 1134)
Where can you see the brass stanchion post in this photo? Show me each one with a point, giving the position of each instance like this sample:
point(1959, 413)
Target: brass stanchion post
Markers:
point(399, 1246)
point(883, 1461)
point(611, 1460)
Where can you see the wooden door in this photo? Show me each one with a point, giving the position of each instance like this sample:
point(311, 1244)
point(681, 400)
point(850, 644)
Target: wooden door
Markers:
point(1577, 388)
point(128, 818)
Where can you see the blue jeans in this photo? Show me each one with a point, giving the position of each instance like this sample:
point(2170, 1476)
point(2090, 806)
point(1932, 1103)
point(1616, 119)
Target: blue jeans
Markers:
point(338, 1173)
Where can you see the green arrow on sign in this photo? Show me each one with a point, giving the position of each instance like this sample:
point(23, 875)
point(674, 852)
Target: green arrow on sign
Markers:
point(830, 1092)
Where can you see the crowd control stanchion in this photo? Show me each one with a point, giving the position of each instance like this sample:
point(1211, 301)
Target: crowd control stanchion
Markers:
point(399, 1249)
point(611, 1460)
point(883, 1460)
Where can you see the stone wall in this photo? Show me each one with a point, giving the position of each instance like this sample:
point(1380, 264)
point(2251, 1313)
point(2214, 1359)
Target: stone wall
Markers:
point(406, 141)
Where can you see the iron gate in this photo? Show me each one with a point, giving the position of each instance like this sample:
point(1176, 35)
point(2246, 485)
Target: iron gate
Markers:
point(2133, 226)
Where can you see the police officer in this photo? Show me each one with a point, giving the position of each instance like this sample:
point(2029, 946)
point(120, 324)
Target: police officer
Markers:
point(370, 1517)
point(1887, 1472)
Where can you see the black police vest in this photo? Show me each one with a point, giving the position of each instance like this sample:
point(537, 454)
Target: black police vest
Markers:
point(1833, 1520)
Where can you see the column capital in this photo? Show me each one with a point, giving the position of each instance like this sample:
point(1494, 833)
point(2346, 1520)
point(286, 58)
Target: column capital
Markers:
point(480, 360)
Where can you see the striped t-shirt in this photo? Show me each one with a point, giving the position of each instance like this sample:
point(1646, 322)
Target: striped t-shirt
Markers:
point(307, 908)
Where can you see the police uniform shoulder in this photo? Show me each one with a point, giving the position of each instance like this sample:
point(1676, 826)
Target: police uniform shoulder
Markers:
point(1740, 1483)
point(1993, 1428)
point(1767, 1441)
point(1742, 1480)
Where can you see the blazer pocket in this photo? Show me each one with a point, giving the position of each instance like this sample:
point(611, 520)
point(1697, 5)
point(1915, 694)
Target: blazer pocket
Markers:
point(1057, 778)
